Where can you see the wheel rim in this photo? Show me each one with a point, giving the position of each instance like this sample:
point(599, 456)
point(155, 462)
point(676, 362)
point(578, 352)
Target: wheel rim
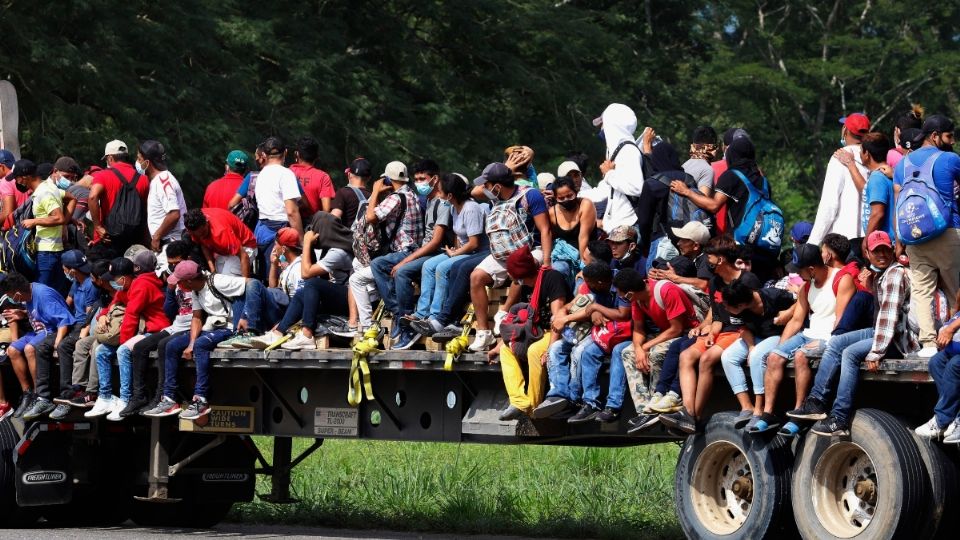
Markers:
point(722, 488)
point(845, 490)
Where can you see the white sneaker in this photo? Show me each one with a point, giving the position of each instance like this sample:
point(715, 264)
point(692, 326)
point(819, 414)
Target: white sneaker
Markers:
point(670, 403)
point(300, 342)
point(952, 434)
point(927, 352)
point(930, 430)
point(118, 405)
point(264, 341)
point(483, 341)
point(103, 406)
point(497, 319)
point(654, 399)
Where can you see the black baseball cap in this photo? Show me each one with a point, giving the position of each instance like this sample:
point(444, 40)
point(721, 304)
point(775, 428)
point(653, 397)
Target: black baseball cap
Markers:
point(495, 173)
point(44, 170)
point(911, 138)
point(805, 256)
point(360, 167)
point(121, 266)
point(22, 167)
point(154, 152)
point(937, 123)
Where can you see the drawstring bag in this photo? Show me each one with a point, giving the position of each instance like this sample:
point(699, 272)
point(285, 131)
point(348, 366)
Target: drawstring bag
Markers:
point(519, 329)
point(611, 334)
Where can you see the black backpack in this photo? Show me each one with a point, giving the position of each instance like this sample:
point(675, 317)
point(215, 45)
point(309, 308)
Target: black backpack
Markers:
point(677, 211)
point(449, 237)
point(126, 215)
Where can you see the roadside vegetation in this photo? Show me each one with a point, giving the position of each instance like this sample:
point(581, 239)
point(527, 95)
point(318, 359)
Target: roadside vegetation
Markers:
point(479, 489)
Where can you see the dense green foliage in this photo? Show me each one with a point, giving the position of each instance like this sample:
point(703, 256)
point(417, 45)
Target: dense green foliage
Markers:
point(460, 80)
point(538, 491)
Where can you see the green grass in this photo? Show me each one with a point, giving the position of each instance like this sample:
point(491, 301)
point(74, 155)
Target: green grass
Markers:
point(483, 489)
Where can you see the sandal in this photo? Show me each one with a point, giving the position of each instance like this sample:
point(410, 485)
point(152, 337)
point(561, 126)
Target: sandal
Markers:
point(766, 422)
point(789, 430)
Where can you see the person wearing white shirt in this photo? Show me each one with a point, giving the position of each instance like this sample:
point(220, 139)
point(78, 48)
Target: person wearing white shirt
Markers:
point(839, 207)
point(165, 204)
point(277, 193)
point(622, 170)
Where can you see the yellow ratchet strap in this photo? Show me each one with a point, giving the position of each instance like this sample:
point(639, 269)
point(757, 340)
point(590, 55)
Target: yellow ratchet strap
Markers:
point(359, 382)
point(456, 346)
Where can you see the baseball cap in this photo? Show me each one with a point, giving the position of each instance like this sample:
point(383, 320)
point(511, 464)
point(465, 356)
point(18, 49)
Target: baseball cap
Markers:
point(544, 180)
point(121, 266)
point(185, 269)
point(153, 151)
point(145, 261)
point(44, 170)
point(21, 168)
point(360, 167)
point(74, 259)
point(396, 171)
point(133, 250)
point(694, 231)
point(7, 157)
point(623, 233)
point(288, 237)
point(237, 160)
point(67, 164)
point(114, 147)
point(800, 232)
point(565, 168)
point(877, 239)
point(804, 256)
point(937, 123)
point(683, 266)
point(911, 138)
point(494, 172)
point(856, 123)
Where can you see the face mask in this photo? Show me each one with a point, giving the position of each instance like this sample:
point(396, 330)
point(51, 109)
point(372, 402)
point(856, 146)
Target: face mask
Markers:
point(140, 168)
point(116, 286)
point(424, 189)
point(71, 277)
point(21, 188)
point(489, 194)
point(63, 183)
point(875, 269)
point(843, 142)
point(283, 259)
point(568, 205)
point(712, 266)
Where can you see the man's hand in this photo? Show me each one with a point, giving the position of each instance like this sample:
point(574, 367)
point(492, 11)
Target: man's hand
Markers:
point(242, 325)
point(308, 237)
point(680, 188)
point(516, 160)
point(709, 340)
point(29, 223)
point(155, 244)
point(606, 167)
point(643, 359)
point(84, 332)
point(872, 365)
point(944, 337)
point(844, 157)
point(598, 319)
point(380, 186)
point(395, 269)
point(102, 324)
point(782, 317)
point(188, 352)
point(15, 314)
point(886, 170)
point(558, 323)
point(544, 358)
point(102, 233)
point(669, 274)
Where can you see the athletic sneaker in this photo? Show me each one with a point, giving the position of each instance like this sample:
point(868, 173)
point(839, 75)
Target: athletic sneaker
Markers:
point(67, 395)
point(483, 341)
point(132, 408)
point(657, 396)
point(586, 413)
point(669, 403)
point(41, 407)
point(300, 342)
point(449, 332)
point(102, 407)
point(166, 407)
point(812, 409)
point(642, 422)
point(118, 406)
point(497, 319)
point(930, 430)
point(831, 427)
point(344, 331)
point(680, 420)
point(236, 338)
point(406, 340)
point(84, 401)
point(266, 340)
point(608, 415)
point(952, 434)
point(510, 413)
point(426, 327)
point(5, 410)
point(551, 406)
point(396, 330)
point(197, 408)
point(927, 352)
point(26, 401)
point(61, 412)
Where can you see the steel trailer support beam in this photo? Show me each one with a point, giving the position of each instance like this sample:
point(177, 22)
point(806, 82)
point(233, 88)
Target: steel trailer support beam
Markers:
point(280, 479)
point(159, 469)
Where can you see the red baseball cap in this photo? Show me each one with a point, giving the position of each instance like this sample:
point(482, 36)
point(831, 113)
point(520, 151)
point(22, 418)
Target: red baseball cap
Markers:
point(288, 237)
point(856, 123)
point(877, 239)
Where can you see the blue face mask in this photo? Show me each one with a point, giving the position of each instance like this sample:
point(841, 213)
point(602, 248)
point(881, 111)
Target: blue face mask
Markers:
point(843, 142)
point(140, 168)
point(283, 259)
point(875, 269)
point(424, 189)
point(63, 183)
point(116, 286)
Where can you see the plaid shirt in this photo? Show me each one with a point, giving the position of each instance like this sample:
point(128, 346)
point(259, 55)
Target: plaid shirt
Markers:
point(892, 291)
point(410, 235)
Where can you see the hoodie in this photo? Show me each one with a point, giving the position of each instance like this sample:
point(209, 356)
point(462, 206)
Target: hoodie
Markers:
point(626, 179)
point(144, 300)
point(839, 209)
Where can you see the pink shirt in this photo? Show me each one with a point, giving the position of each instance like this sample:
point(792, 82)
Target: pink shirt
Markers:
point(8, 189)
point(893, 157)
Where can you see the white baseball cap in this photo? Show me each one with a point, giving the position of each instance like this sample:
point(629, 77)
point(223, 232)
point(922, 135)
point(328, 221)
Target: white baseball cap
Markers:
point(544, 179)
point(396, 171)
point(114, 147)
point(565, 168)
point(694, 231)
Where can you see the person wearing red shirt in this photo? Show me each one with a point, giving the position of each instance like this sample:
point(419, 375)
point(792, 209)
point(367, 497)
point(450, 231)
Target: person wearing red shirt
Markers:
point(103, 192)
point(316, 185)
point(221, 190)
point(227, 243)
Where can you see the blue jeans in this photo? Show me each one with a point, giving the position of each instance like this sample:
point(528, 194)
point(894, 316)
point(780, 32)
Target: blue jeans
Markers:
point(558, 369)
point(843, 355)
point(945, 372)
point(259, 307)
point(735, 355)
point(51, 271)
point(266, 234)
point(125, 360)
point(797, 342)
point(105, 370)
point(434, 282)
point(459, 287)
point(670, 372)
point(397, 292)
point(591, 359)
point(316, 296)
point(857, 315)
point(202, 347)
point(618, 376)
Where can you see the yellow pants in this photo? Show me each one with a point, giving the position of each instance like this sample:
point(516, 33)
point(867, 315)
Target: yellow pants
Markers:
point(522, 395)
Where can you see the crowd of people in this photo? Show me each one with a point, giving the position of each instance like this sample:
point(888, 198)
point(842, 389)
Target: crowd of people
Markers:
point(661, 268)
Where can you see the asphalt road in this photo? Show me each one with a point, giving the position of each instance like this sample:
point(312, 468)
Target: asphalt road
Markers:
point(226, 530)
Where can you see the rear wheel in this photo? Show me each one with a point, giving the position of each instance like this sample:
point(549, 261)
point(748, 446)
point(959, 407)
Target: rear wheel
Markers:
point(729, 483)
point(11, 515)
point(873, 485)
point(942, 518)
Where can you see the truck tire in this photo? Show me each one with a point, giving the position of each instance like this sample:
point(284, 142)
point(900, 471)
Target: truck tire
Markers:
point(942, 517)
point(872, 485)
point(11, 515)
point(729, 483)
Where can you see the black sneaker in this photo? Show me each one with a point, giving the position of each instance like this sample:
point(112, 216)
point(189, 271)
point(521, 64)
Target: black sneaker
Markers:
point(68, 394)
point(608, 415)
point(831, 427)
point(587, 413)
point(642, 422)
point(134, 406)
point(426, 327)
point(812, 409)
point(26, 401)
point(680, 420)
point(551, 406)
point(510, 413)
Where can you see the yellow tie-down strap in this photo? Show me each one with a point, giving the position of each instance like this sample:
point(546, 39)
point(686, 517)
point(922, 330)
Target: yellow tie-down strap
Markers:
point(358, 382)
point(456, 346)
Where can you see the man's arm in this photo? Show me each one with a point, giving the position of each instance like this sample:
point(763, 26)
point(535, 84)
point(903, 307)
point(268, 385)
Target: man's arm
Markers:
point(244, 262)
point(829, 202)
point(542, 223)
point(168, 222)
point(844, 293)
point(429, 248)
point(9, 205)
point(93, 205)
point(799, 315)
point(878, 211)
point(55, 217)
point(710, 204)
point(293, 215)
point(675, 330)
point(326, 203)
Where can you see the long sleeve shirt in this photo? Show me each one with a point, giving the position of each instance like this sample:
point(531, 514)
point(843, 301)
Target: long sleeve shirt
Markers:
point(624, 181)
point(839, 208)
point(144, 301)
point(892, 292)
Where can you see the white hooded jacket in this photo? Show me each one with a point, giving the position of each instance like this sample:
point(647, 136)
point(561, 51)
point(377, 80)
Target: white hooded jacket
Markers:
point(839, 209)
point(626, 179)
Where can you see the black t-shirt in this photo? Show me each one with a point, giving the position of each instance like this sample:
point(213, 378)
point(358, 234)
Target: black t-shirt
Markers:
point(348, 203)
point(720, 314)
point(703, 267)
point(774, 301)
point(737, 194)
point(552, 287)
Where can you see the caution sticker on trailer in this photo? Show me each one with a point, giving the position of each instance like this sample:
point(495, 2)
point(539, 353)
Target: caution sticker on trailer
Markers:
point(222, 420)
point(336, 422)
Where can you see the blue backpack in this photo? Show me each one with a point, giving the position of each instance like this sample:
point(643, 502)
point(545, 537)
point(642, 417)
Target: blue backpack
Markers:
point(922, 212)
point(762, 224)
